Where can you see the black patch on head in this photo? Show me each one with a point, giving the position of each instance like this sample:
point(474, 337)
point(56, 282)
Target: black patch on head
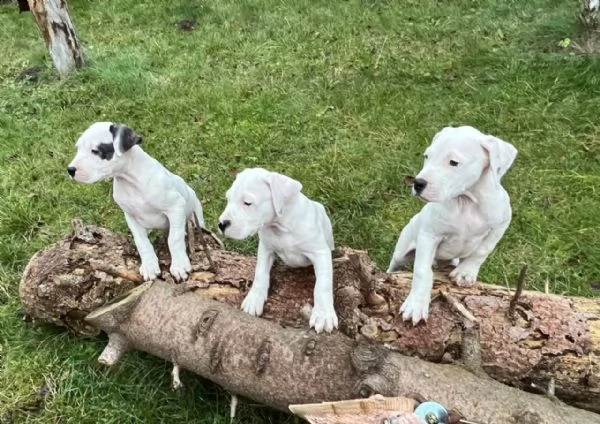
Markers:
point(105, 151)
point(128, 138)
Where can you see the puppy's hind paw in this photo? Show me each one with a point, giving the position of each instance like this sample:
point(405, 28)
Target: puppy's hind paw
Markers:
point(463, 276)
point(415, 308)
point(180, 268)
point(150, 270)
point(323, 318)
point(253, 303)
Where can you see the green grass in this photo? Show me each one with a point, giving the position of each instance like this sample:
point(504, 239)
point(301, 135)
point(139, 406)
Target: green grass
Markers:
point(342, 95)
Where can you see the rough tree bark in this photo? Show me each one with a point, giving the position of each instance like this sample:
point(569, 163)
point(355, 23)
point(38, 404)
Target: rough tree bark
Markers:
point(53, 20)
point(590, 12)
point(551, 341)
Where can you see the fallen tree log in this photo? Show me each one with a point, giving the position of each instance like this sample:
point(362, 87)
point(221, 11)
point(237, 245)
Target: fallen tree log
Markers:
point(551, 341)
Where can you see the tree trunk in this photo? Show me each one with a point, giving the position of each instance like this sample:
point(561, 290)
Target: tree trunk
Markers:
point(590, 12)
point(53, 20)
point(550, 342)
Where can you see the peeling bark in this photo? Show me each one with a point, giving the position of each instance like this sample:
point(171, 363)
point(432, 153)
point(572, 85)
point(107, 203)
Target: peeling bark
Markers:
point(552, 339)
point(53, 20)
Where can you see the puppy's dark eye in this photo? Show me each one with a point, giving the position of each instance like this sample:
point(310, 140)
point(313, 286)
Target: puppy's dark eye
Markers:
point(453, 163)
point(426, 157)
point(247, 203)
point(95, 152)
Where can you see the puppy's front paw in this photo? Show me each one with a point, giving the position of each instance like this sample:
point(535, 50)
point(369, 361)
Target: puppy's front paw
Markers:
point(254, 302)
point(180, 267)
point(464, 275)
point(150, 269)
point(416, 307)
point(323, 317)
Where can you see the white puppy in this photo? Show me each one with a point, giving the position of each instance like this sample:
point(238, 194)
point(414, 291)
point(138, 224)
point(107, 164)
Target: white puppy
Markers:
point(151, 197)
point(289, 225)
point(467, 212)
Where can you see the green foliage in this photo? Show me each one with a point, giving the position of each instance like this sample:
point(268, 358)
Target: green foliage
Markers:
point(342, 95)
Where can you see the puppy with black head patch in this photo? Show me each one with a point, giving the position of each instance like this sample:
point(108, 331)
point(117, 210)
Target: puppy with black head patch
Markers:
point(150, 196)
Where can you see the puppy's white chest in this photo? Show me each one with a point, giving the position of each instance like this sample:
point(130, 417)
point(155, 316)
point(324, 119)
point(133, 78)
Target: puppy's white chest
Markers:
point(142, 208)
point(463, 234)
point(293, 259)
point(287, 248)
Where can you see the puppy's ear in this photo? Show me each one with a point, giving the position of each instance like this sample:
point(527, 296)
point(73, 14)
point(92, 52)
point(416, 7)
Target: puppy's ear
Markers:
point(501, 154)
point(283, 189)
point(124, 138)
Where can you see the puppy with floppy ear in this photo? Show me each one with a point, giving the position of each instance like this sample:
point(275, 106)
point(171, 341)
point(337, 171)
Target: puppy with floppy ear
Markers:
point(289, 226)
point(466, 214)
point(282, 190)
point(124, 138)
point(150, 196)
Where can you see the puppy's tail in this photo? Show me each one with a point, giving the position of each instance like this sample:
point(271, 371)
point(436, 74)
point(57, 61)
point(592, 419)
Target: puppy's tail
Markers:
point(198, 217)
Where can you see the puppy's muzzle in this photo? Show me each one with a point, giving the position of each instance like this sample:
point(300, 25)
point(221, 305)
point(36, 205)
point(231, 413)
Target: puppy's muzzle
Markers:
point(71, 170)
point(419, 185)
point(223, 225)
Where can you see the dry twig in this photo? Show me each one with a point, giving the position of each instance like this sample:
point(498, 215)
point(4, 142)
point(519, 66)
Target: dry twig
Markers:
point(515, 298)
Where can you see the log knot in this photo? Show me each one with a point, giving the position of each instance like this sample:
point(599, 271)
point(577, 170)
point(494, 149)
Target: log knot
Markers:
point(263, 357)
point(527, 417)
point(374, 385)
point(216, 355)
point(203, 326)
point(368, 357)
point(309, 347)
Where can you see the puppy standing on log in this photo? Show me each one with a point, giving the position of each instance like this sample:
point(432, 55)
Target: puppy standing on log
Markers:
point(290, 226)
point(151, 197)
point(466, 214)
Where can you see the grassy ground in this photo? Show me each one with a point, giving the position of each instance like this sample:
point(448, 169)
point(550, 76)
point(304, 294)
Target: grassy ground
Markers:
point(342, 95)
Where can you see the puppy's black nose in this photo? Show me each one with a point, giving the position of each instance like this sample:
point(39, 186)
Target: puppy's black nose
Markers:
point(224, 224)
point(419, 185)
point(71, 170)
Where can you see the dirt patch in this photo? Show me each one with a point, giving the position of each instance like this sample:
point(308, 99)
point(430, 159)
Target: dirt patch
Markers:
point(31, 74)
point(187, 24)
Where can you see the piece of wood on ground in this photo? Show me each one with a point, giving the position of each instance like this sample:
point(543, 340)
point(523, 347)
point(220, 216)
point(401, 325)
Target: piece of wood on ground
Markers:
point(373, 410)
